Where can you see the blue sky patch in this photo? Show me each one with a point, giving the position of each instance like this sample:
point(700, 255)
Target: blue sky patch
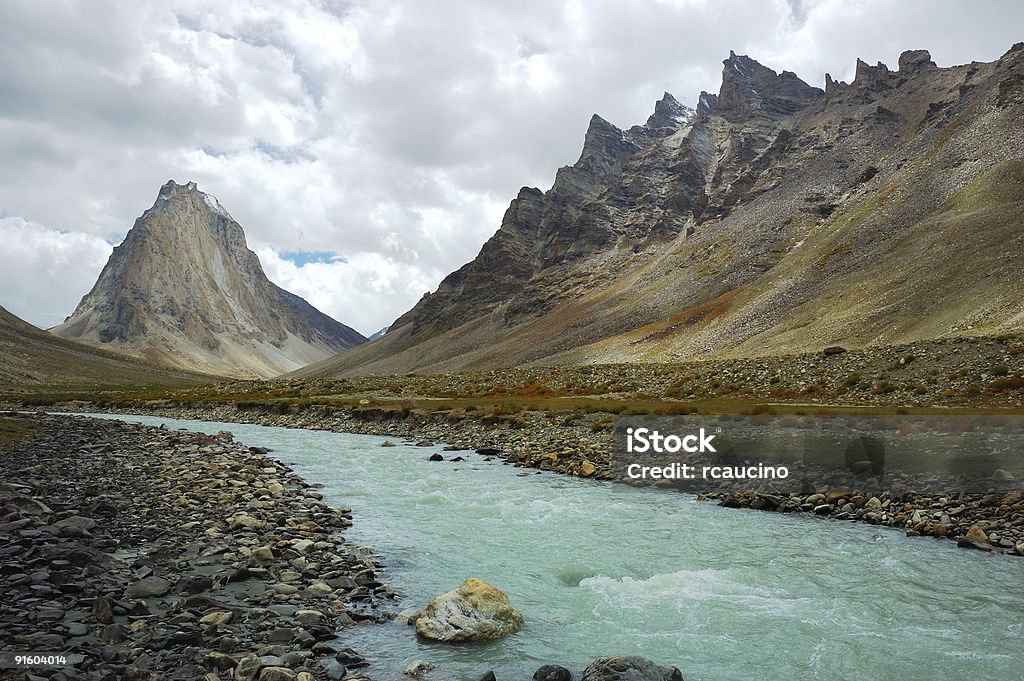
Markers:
point(300, 258)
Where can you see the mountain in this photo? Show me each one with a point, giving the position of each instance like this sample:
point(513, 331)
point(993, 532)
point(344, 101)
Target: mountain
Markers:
point(774, 218)
point(377, 334)
point(184, 290)
point(33, 358)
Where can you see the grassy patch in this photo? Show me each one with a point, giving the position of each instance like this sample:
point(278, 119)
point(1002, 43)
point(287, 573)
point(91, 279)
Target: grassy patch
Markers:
point(13, 431)
point(1002, 184)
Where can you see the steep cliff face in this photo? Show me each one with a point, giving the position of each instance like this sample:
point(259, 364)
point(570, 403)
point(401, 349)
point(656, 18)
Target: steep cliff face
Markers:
point(776, 217)
point(183, 289)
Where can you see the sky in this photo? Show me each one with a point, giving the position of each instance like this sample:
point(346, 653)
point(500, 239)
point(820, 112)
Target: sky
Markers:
point(370, 148)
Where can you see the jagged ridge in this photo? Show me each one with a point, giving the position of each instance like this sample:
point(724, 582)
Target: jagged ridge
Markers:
point(775, 218)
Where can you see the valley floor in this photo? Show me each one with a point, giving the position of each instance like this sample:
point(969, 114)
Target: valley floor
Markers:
point(139, 553)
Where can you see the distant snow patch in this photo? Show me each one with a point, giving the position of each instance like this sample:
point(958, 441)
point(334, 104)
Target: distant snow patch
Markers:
point(214, 205)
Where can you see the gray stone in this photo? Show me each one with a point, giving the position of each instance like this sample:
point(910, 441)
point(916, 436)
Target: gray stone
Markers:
point(475, 611)
point(629, 668)
point(417, 668)
point(150, 587)
point(276, 674)
point(247, 668)
point(552, 672)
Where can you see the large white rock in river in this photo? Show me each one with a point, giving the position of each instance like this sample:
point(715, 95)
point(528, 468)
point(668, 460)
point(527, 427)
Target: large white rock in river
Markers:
point(476, 611)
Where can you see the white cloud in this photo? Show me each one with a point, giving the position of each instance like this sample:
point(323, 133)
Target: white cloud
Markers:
point(44, 272)
point(351, 288)
point(393, 132)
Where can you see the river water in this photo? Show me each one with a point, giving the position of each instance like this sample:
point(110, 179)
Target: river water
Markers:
point(600, 569)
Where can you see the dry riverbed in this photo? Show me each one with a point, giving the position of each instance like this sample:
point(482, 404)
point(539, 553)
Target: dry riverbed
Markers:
point(139, 553)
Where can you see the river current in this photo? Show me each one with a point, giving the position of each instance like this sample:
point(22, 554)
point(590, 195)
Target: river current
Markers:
point(602, 569)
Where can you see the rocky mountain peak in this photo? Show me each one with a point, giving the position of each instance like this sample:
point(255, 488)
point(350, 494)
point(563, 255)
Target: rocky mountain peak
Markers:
point(748, 86)
point(603, 146)
point(188, 194)
point(706, 103)
point(184, 289)
point(913, 61)
point(669, 113)
point(871, 77)
point(779, 222)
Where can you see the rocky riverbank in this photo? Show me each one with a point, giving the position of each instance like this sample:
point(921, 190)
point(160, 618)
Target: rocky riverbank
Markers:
point(580, 444)
point(143, 553)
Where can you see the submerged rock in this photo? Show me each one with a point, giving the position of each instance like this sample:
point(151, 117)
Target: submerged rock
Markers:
point(417, 668)
point(629, 668)
point(552, 672)
point(475, 611)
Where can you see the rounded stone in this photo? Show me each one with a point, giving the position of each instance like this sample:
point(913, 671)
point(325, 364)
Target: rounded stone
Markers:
point(475, 611)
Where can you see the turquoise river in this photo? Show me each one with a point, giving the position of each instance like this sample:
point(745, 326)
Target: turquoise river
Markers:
point(602, 569)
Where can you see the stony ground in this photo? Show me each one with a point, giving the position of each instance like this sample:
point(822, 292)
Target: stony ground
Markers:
point(142, 553)
point(947, 372)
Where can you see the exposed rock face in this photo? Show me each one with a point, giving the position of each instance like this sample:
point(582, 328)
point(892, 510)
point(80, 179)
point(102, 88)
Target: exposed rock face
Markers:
point(475, 611)
point(183, 289)
point(775, 218)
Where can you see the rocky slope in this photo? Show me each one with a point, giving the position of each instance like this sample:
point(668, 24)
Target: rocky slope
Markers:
point(33, 359)
point(184, 290)
point(775, 218)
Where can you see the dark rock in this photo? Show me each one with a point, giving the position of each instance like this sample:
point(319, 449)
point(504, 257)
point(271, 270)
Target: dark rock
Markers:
point(102, 610)
point(150, 587)
point(912, 61)
point(552, 672)
point(247, 668)
point(629, 668)
point(333, 669)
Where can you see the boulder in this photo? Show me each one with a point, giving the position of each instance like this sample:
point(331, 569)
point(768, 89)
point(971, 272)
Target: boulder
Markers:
point(217, 617)
point(475, 611)
point(417, 668)
point(552, 672)
point(150, 587)
point(247, 668)
point(629, 668)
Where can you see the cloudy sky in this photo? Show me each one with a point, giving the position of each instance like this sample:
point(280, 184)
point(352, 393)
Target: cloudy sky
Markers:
point(369, 148)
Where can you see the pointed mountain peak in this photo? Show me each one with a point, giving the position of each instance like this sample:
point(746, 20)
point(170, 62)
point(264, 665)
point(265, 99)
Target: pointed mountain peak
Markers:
point(172, 191)
point(669, 113)
point(599, 126)
point(184, 289)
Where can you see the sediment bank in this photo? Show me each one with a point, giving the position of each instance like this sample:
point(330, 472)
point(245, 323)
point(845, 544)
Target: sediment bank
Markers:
point(144, 553)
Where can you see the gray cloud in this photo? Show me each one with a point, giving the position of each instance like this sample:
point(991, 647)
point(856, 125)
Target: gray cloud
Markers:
point(393, 132)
